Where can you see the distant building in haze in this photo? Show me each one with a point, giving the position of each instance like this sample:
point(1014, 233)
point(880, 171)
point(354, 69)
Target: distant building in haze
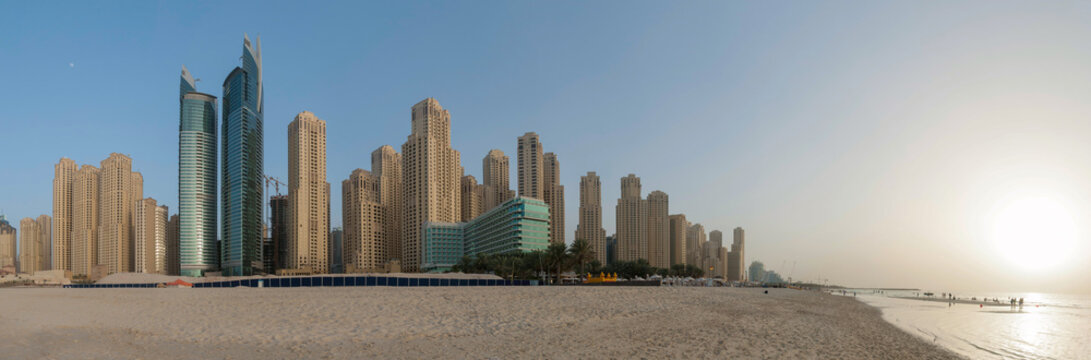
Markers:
point(695, 243)
point(34, 243)
point(243, 160)
point(589, 227)
point(737, 257)
point(658, 227)
point(611, 249)
point(8, 240)
point(679, 227)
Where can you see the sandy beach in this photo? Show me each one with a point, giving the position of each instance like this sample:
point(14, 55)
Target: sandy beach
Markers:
point(453, 323)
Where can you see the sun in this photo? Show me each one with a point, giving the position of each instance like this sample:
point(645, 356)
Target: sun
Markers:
point(1034, 233)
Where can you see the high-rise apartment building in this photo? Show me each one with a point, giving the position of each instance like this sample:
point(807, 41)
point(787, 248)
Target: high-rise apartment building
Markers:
point(495, 172)
point(365, 238)
point(695, 243)
point(713, 253)
point(736, 258)
point(116, 201)
point(431, 177)
point(197, 198)
point(34, 243)
point(64, 174)
point(243, 160)
point(553, 194)
point(278, 212)
point(658, 229)
point(308, 195)
point(589, 227)
point(7, 243)
point(472, 197)
point(679, 227)
point(173, 257)
point(150, 242)
point(530, 166)
point(85, 220)
point(632, 221)
point(386, 165)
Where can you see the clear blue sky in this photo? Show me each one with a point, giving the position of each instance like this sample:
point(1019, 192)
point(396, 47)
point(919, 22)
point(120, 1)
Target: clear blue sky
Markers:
point(868, 142)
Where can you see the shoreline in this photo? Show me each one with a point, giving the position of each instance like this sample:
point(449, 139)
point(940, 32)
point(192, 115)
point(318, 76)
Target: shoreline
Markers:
point(480, 322)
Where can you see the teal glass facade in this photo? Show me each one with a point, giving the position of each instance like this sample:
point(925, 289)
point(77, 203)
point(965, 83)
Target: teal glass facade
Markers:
point(196, 180)
point(519, 225)
point(243, 173)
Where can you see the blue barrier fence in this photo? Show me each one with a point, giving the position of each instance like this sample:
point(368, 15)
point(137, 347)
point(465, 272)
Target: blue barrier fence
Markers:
point(328, 281)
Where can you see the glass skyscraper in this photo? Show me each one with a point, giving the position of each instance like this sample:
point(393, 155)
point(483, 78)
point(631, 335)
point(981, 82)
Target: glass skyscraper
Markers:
point(518, 225)
point(242, 165)
point(196, 180)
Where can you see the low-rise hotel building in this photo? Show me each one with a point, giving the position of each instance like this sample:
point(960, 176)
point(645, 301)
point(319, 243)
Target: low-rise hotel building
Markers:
point(518, 225)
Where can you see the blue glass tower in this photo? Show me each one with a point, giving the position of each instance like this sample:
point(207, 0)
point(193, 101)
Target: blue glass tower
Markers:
point(241, 192)
point(196, 180)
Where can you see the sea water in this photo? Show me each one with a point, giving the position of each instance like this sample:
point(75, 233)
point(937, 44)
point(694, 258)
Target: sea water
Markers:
point(1047, 326)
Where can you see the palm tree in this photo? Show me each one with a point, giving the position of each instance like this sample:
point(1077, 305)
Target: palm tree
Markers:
point(557, 258)
point(581, 252)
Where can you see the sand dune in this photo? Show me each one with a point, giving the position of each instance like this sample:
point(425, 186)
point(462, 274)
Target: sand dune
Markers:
point(452, 323)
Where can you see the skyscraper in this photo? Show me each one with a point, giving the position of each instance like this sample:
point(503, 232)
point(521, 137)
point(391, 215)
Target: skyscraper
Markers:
point(589, 227)
point(196, 180)
point(64, 174)
point(658, 229)
point(472, 197)
point(7, 243)
point(695, 242)
point(33, 244)
point(679, 227)
point(150, 242)
point(530, 166)
point(85, 220)
point(173, 256)
point(715, 244)
point(494, 178)
point(116, 191)
point(737, 257)
point(243, 159)
point(308, 195)
point(278, 212)
point(337, 265)
point(386, 165)
point(632, 221)
point(431, 177)
point(553, 194)
point(365, 239)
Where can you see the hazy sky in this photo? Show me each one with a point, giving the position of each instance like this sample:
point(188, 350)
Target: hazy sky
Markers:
point(868, 143)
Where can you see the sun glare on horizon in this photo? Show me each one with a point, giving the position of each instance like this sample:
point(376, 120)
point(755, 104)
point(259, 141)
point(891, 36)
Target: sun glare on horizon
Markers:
point(1034, 233)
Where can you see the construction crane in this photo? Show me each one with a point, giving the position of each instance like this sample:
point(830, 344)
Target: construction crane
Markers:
point(276, 184)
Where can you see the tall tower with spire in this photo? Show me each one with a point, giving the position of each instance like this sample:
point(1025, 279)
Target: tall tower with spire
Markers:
point(243, 173)
point(196, 179)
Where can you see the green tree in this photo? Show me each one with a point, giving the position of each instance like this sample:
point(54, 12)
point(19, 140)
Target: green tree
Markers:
point(556, 257)
point(581, 252)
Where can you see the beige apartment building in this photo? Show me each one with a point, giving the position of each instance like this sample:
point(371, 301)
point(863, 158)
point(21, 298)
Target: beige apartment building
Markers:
point(632, 221)
point(553, 193)
point(472, 198)
point(117, 195)
point(34, 244)
point(85, 220)
point(386, 165)
point(366, 238)
point(712, 253)
point(308, 195)
point(589, 227)
point(679, 227)
point(431, 173)
point(150, 242)
point(495, 169)
point(695, 244)
point(737, 257)
point(658, 229)
point(530, 166)
point(64, 175)
point(7, 243)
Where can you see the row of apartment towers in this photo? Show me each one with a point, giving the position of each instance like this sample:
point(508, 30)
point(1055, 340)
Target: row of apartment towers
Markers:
point(383, 210)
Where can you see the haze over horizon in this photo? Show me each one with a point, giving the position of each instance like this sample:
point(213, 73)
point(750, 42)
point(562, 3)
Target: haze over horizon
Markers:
point(873, 145)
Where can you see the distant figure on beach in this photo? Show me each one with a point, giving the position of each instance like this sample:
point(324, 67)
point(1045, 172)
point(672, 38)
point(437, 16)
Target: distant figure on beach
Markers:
point(1020, 303)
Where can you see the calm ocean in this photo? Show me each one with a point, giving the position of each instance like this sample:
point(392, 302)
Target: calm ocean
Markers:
point(1049, 326)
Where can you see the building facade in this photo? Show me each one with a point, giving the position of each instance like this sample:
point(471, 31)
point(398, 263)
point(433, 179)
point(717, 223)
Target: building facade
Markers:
point(117, 197)
point(386, 165)
point(363, 215)
point(431, 175)
point(34, 243)
point(553, 194)
point(659, 250)
point(529, 151)
point(737, 257)
point(519, 225)
point(174, 265)
point(64, 175)
point(278, 213)
point(8, 240)
point(589, 227)
point(337, 265)
point(150, 242)
point(678, 229)
point(695, 244)
point(472, 197)
point(197, 162)
point(495, 168)
point(242, 168)
point(632, 221)
point(308, 195)
point(85, 220)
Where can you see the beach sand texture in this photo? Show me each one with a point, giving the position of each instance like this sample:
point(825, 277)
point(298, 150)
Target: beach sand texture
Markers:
point(450, 323)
